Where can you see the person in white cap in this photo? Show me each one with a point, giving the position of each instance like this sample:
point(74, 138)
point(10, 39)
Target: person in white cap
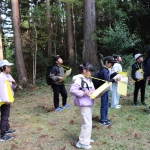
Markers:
point(5, 68)
point(138, 76)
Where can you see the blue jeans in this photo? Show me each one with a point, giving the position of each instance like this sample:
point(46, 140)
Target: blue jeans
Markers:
point(104, 106)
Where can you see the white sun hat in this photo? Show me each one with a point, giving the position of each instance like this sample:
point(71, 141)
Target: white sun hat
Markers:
point(5, 63)
point(137, 56)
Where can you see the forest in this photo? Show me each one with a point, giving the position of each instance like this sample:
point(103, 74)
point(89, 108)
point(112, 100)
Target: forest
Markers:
point(33, 31)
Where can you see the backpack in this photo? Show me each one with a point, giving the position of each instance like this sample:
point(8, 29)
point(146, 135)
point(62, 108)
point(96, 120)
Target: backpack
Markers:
point(97, 83)
point(82, 84)
point(50, 69)
point(74, 98)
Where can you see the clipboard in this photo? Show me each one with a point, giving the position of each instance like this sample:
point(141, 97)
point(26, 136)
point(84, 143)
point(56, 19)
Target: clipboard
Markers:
point(66, 74)
point(9, 93)
point(103, 88)
point(122, 84)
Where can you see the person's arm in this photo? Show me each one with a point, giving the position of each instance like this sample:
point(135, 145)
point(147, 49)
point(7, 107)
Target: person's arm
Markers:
point(54, 75)
point(3, 93)
point(76, 91)
point(133, 73)
point(13, 85)
point(120, 68)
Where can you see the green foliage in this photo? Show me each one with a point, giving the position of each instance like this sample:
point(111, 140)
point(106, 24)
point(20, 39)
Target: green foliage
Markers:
point(127, 61)
point(118, 38)
point(109, 11)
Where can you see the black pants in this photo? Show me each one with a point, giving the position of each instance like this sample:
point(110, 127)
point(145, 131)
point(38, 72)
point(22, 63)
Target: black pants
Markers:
point(4, 123)
point(140, 85)
point(62, 90)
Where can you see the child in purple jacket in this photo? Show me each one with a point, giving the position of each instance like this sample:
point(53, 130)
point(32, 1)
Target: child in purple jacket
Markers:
point(80, 91)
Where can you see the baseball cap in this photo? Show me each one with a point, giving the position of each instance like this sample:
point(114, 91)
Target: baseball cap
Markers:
point(137, 56)
point(116, 56)
point(56, 57)
point(5, 63)
point(110, 59)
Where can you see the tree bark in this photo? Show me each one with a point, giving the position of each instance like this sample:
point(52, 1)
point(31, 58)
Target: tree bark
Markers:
point(90, 45)
point(22, 76)
point(70, 35)
point(49, 28)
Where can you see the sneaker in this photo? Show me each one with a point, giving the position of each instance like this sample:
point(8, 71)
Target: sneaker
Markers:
point(66, 106)
point(92, 141)
point(119, 105)
point(6, 138)
point(115, 107)
point(144, 104)
point(58, 109)
point(135, 104)
point(149, 108)
point(105, 123)
point(10, 131)
point(79, 145)
point(109, 121)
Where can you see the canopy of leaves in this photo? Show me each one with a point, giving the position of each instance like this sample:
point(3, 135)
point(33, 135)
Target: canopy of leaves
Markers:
point(118, 37)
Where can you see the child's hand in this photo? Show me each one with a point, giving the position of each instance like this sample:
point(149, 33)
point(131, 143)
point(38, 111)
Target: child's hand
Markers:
point(60, 79)
point(118, 79)
point(148, 79)
point(86, 93)
point(7, 103)
point(100, 95)
point(13, 81)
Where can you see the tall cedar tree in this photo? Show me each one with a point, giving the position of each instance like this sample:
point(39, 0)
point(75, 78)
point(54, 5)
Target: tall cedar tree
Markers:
point(90, 45)
point(22, 76)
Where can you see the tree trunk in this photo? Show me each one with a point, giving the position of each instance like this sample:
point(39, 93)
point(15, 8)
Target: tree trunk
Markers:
point(35, 55)
point(19, 54)
point(90, 46)
point(49, 28)
point(70, 35)
point(1, 47)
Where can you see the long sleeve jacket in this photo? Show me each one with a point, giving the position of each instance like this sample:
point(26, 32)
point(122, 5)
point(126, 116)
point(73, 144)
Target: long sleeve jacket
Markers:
point(136, 66)
point(57, 72)
point(3, 93)
point(77, 92)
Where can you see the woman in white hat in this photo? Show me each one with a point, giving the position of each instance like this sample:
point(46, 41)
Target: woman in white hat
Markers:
point(5, 68)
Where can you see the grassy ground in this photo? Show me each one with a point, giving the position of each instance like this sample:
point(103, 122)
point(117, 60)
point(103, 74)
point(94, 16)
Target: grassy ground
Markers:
point(41, 128)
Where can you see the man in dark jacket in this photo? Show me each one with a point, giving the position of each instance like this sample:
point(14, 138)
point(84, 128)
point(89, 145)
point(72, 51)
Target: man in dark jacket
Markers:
point(139, 77)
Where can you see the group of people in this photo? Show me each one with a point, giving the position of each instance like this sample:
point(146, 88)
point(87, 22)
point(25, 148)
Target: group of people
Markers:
point(83, 86)
point(80, 89)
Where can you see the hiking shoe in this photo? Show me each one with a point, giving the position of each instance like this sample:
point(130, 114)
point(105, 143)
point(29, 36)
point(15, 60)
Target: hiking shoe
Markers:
point(6, 138)
point(135, 104)
point(144, 104)
point(115, 107)
point(58, 109)
point(109, 121)
point(66, 106)
point(92, 141)
point(79, 145)
point(10, 131)
point(105, 123)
